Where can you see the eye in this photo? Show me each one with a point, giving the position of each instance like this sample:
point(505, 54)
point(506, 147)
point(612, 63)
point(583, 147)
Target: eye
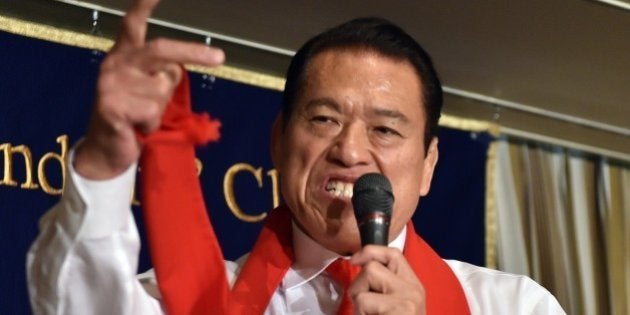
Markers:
point(320, 119)
point(386, 131)
point(323, 125)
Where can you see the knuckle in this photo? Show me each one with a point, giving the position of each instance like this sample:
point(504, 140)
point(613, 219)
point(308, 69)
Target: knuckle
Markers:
point(372, 273)
point(164, 90)
point(174, 74)
point(370, 267)
point(163, 85)
point(151, 126)
point(152, 111)
point(396, 254)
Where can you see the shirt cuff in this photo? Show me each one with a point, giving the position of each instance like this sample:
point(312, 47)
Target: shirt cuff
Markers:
point(107, 203)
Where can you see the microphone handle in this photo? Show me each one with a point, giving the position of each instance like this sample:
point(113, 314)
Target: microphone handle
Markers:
point(374, 229)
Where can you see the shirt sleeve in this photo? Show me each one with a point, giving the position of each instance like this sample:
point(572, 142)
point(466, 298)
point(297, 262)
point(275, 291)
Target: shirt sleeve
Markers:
point(494, 292)
point(85, 257)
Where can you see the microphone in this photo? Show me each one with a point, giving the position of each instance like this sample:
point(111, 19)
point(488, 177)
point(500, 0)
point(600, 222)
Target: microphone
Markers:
point(372, 199)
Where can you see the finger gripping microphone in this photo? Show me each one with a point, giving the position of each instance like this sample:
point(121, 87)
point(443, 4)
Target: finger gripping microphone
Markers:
point(372, 199)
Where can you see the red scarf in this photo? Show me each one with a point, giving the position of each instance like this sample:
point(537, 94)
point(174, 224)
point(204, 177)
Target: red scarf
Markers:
point(184, 250)
point(186, 255)
point(273, 255)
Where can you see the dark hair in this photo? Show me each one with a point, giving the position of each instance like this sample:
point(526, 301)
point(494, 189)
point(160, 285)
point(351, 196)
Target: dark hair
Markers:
point(371, 34)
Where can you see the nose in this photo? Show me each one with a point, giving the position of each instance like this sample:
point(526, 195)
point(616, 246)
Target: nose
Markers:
point(351, 147)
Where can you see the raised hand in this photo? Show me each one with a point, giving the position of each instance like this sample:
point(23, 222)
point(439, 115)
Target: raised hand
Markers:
point(136, 81)
point(386, 284)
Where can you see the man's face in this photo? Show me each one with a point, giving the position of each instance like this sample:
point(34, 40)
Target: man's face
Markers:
point(358, 112)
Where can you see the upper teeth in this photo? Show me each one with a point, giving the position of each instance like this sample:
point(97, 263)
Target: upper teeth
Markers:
point(340, 189)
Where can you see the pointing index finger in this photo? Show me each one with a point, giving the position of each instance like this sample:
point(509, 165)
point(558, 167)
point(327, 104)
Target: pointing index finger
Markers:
point(167, 50)
point(134, 24)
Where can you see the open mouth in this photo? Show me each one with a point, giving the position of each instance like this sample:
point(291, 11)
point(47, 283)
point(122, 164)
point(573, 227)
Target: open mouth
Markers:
point(340, 189)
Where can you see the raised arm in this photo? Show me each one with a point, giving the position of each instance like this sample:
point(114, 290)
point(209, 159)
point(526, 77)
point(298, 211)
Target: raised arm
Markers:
point(84, 260)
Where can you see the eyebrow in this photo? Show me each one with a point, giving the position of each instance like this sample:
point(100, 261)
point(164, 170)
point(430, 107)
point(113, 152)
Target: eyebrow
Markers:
point(333, 105)
point(323, 102)
point(389, 113)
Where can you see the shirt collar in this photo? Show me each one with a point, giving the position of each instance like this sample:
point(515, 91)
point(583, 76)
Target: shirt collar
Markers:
point(311, 258)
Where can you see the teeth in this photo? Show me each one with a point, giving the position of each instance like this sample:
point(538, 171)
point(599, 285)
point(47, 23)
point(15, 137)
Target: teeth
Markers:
point(348, 190)
point(340, 189)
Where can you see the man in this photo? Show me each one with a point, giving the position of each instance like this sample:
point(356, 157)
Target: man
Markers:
point(360, 98)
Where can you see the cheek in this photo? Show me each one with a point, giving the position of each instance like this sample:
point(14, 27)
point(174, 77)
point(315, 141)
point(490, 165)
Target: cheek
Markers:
point(406, 202)
point(404, 170)
point(299, 158)
point(406, 176)
point(298, 164)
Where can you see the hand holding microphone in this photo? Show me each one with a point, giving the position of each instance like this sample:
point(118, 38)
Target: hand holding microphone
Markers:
point(386, 283)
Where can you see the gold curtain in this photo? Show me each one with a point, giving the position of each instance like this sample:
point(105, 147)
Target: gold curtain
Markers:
point(563, 218)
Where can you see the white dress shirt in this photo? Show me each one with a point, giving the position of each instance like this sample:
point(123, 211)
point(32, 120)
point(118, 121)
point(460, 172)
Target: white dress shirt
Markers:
point(85, 257)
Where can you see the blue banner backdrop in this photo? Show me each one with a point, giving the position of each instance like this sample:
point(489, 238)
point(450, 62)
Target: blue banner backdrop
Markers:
point(46, 91)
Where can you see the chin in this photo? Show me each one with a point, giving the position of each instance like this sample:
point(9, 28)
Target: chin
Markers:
point(344, 243)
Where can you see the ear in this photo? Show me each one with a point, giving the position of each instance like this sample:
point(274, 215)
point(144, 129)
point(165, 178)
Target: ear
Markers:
point(276, 141)
point(430, 160)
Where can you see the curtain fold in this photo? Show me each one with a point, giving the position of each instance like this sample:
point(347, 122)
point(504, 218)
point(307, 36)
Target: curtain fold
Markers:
point(614, 213)
point(564, 220)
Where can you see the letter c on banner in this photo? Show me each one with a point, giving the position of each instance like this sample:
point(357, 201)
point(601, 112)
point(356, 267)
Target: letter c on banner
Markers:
point(228, 191)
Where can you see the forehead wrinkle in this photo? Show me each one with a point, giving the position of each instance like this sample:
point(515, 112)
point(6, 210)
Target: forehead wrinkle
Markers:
point(381, 84)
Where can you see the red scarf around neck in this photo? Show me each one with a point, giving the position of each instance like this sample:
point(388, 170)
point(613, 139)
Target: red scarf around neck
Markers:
point(272, 256)
point(185, 252)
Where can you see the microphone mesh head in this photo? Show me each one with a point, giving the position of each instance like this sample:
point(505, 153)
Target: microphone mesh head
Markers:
point(372, 193)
